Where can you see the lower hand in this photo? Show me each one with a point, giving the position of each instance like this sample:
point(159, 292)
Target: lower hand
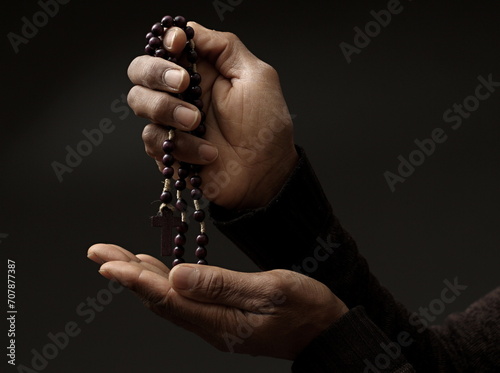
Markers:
point(275, 313)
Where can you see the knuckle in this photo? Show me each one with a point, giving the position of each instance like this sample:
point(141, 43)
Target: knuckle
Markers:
point(158, 107)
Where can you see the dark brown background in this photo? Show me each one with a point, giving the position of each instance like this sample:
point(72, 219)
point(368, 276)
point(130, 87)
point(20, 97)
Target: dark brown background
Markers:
point(353, 119)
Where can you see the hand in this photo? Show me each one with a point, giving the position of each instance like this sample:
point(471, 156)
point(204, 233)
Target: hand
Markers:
point(247, 119)
point(276, 313)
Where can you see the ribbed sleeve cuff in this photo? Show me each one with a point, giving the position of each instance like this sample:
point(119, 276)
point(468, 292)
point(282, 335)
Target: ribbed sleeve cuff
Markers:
point(352, 344)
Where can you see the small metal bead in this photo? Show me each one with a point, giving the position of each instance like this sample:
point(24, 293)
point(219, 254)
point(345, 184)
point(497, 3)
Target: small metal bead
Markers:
point(157, 29)
point(180, 184)
point(196, 194)
point(183, 172)
point(181, 205)
point(199, 215)
point(180, 240)
point(149, 50)
point(180, 21)
point(179, 251)
point(167, 21)
point(201, 252)
point(149, 35)
point(155, 42)
point(195, 181)
point(168, 172)
point(166, 197)
point(192, 56)
point(160, 52)
point(183, 227)
point(168, 160)
point(189, 32)
point(202, 239)
point(177, 261)
point(168, 146)
point(202, 261)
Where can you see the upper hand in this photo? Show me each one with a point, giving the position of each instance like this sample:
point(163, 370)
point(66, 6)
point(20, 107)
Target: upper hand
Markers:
point(247, 119)
point(276, 313)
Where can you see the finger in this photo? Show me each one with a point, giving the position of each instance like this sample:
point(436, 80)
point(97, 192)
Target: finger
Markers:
point(226, 51)
point(154, 262)
point(162, 108)
point(188, 148)
point(148, 284)
point(174, 40)
point(252, 292)
point(101, 253)
point(159, 74)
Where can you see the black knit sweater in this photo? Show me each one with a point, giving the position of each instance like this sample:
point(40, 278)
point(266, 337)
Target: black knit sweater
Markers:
point(378, 334)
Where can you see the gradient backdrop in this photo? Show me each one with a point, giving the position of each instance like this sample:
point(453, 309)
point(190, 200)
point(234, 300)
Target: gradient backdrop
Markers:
point(354, 119)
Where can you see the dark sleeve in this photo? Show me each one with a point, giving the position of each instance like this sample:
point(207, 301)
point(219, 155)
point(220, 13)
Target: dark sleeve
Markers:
point(352, 344)
point(298, 231)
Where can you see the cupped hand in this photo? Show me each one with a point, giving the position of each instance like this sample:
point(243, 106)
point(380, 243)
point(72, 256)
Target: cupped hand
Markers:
point(275, 313)
point(248, 148)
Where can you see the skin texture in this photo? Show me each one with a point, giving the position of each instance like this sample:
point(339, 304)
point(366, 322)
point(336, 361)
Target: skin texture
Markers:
point(274, 313)
point(247, 121)
point(247, 153)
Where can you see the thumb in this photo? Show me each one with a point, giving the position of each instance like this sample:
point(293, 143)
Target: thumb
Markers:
point(249, 291)
point(225, 51)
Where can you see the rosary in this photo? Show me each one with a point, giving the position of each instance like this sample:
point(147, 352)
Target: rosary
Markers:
point(165, 217)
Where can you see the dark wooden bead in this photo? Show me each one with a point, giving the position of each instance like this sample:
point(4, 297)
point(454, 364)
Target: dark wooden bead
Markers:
point(199, 215)
point(167, 21)
point(201, 252)
point(181, 205)
point(192, 56)
point(195, 181)
point(168, 172)
point(155, 42)
point(202, 239)
point(166, 197)
point(180, 21)
point(180, 240)
point(198, 103)
point(168, 146)
point(183, 227)
point(202, 262)
point(177, 261)
point(203, 116)
point(189, 32)
point(183, 172)
point(157, 29)
point(149, 50)
point(201, 130)
point(180, 184)
point(195, 91)
point(149, 35)
point(168, 160)
point(196, 194)
point(179, 251)
point(172, 59)
point(195, 79)
point(196, 168)
point(160, 52)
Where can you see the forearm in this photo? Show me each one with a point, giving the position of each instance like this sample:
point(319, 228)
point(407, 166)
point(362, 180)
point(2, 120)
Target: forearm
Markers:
point(298, 231)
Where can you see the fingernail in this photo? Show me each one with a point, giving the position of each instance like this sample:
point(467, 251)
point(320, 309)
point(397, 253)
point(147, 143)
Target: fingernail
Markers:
point(169, 40)
point(93, 256)
point(106, 274)
point(172, 79)
point(185, 117)
point(185, 277)
point(208, 152)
